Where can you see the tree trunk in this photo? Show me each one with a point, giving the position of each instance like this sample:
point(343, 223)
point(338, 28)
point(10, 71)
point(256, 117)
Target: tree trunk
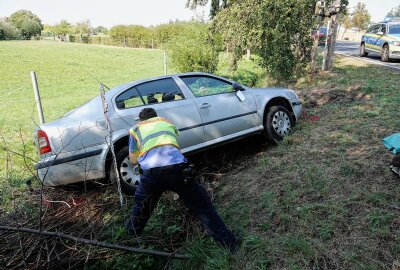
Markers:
point(314, 50)
point(328, 63)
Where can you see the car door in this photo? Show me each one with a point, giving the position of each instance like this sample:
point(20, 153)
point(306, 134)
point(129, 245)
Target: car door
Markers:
point(381, 36)
point(169, 101)
point(222, 112)
point(372, 37)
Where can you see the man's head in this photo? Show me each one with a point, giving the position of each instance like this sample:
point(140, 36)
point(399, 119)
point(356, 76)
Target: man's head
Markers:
point(147, 113)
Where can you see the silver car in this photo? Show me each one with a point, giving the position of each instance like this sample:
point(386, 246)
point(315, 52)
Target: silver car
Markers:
point(207, 110)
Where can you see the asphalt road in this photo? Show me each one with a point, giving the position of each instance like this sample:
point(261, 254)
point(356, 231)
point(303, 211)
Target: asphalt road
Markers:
point(352, 49)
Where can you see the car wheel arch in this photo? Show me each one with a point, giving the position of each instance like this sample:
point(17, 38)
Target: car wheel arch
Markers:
point(118, 145)
point(278, 101)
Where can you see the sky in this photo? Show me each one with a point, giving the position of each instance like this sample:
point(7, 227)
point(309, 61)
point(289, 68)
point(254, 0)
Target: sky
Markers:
point(144, 12)
point(105, 12)
point(377, 8)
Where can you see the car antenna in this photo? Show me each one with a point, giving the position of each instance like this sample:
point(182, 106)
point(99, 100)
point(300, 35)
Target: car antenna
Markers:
point(98, 80)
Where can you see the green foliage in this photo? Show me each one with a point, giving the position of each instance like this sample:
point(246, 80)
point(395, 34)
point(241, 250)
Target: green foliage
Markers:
point(62, 28)
point(395, 12)
point(361, 16)
point(30, 28)
point(194, 50)
point(18, 18)
point(100, 29)
point(83, 27)
point(27, 23)
point(8, 31)
point(278, 30)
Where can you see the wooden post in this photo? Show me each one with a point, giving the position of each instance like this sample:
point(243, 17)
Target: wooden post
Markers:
point(332, 40)
point(165, 62)
point(37, 97)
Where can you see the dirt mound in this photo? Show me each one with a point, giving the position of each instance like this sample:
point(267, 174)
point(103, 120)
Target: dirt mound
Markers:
point(322, 96)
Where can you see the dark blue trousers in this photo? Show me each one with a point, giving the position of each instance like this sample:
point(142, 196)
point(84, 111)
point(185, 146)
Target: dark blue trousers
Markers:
point(193, 195)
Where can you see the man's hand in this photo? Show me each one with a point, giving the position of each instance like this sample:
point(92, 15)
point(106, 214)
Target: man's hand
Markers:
point(133, 158)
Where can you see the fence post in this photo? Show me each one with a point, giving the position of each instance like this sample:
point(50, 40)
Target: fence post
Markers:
point(37, 97)
point(165, 62)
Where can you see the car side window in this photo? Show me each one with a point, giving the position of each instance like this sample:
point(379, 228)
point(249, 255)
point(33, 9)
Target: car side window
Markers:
point(153, 92)
point(129, 99)
point(375, 29)
point(159, 91)
point(205, 86)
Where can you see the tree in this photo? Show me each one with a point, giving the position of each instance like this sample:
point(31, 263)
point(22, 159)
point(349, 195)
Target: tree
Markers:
point(83, 27)
point(18, 17)
point(28, 23)
point(361, 17)
point(279, 31)
point(395, 12)
point(345, 20)
point(193, 49)
point(100, 29)
point(216, 5)
point(30, 28)
point(63, 28)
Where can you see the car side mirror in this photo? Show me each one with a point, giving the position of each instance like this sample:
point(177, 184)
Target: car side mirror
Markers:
point(380, 33)
point(237, 87)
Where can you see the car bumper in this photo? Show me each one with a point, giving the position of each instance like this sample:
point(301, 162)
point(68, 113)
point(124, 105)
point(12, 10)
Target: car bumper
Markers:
point(297, 106)
point(72, 167)
point(394, 52)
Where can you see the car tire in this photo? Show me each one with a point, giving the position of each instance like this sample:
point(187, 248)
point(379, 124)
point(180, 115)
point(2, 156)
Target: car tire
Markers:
point(129, 174)
point(385, 54)
point(277, 123)
point(363, 53)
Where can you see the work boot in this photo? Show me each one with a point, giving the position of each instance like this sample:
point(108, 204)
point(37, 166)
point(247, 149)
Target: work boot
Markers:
point(395, 166)
point(395, 170)
point(236, 245)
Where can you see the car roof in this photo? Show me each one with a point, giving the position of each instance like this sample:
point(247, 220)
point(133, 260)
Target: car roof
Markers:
point(132, 83)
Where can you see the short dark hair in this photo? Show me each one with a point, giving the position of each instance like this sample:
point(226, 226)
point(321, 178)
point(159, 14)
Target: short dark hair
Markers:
point(147, 113)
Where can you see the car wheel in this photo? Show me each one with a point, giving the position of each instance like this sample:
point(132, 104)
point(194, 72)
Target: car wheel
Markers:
point(277, 123)
point(129, 174)
point(363, 53)
point(385, 54)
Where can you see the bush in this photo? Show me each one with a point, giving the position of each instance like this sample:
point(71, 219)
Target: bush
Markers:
point(8, 31)
point(30, 28)
point(194, 50)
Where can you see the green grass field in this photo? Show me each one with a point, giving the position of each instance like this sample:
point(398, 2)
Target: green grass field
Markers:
point(64, 76)
point(324, 198)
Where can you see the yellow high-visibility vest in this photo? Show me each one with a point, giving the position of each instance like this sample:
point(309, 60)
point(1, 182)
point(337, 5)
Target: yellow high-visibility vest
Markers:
point(154, 132)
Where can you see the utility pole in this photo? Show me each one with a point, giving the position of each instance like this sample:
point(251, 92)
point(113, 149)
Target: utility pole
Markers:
point(319, 11)
point(332, 34)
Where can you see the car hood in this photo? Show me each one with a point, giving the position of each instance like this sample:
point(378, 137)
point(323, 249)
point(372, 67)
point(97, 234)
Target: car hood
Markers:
point(290, 94)
point(394, 36)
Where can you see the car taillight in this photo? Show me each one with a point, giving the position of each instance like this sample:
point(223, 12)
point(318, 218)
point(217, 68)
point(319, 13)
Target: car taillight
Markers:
point(43, 142)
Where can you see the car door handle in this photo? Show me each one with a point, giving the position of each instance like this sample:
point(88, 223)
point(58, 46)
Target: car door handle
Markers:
point(205, 106)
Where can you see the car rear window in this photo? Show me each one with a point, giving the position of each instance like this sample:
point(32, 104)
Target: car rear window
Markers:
point(153, 92)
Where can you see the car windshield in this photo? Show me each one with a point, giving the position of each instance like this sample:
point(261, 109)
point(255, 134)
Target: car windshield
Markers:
point(394, 29)
point(323, 30)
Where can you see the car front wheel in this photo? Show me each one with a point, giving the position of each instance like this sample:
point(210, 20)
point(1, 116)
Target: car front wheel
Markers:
point(277, 123)
point(363, 53)
point(129, 174)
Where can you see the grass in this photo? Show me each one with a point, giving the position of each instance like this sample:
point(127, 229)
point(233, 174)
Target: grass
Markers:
point(323, 198)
